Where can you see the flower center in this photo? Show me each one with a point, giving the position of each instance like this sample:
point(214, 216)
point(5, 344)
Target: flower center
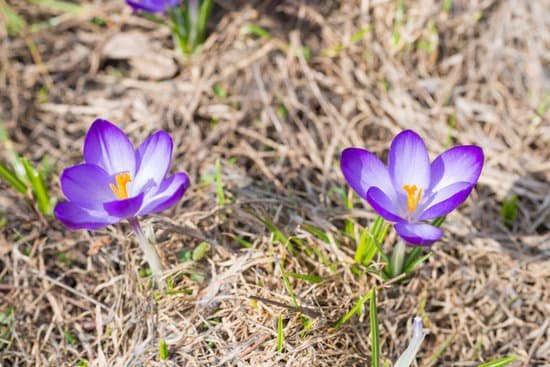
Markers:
point(414, 194)
point(119, 189)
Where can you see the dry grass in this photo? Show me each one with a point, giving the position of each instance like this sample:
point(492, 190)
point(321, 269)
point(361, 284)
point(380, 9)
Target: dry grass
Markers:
point(479, 74)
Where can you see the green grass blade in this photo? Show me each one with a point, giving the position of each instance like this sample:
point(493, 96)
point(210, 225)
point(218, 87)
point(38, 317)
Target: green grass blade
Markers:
point(12, 179)
point(376, 240)
point(439, 221)
point(439, 352)
point(244, 243)
point(412, 256)
point(13, 22)
point(365, 242)
point(374, 331)
point(413, 264)
point(499, 362)
point(317, 232)
point(163, 350)
point(200, 251)
point(288, 286)
point(277, 234)
point(204, 14)
point(356, 308)
point(254, 30)
point(13, 157)
point(509, 211)
point(371, 241)
point(219, 185)
point(38, 187)
point(349, 227)
point(307, 277)
point(61, 6)
point(280, 335)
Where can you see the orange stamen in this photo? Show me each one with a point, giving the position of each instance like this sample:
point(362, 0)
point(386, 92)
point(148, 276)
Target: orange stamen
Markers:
point(414, 194)
point(122, 180)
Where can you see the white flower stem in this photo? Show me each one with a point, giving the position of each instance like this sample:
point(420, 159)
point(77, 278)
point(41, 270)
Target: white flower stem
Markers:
point(149, 252)
point(398, 257)
point(409, 354)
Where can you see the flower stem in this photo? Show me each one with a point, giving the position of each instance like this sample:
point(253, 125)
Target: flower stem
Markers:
point(398, 258)
point(149, 251)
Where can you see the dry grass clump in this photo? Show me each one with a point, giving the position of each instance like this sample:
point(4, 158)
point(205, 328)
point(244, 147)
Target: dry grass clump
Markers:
point(276, 111)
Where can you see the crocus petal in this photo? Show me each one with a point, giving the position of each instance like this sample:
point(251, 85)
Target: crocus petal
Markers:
point(408, 161)
point(363, 170)
point(152, 6)
point(383, 205)
point(74, 216)
point(124, 208)
point(446, 200)
point(418, 233)
point(153, 159)
point(169, 193)
point(108, 147)
point(458, 164)
point(86, 185)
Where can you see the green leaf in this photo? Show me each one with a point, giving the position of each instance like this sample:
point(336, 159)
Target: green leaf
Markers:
point(61, 6)
point(280, 335)
point(185, 255)
point(360, 34)
point(204, 14)
point(13, 22)
point(153, 18)
point(499, 362)
point(244, 243)
point(437, 222)
point(197, 278)
point(71, 339)
point(254, 30)
point(38, 187)
point(282, 111)
point(145, 272)
point(509, 211)
point(307, 53)
point(374, 331)
point(12, 179)
point(288, 286)
point(349, 226)
point(308, 278)
point(219, 91)
point(370, 242)
point(277, 234)
point(163, 350)
point(356, 308)
point(415, 263)
point(317, 232)
point(306, 322)
point(200, 251)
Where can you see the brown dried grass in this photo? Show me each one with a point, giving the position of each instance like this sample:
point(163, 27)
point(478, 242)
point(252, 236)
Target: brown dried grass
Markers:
point(484, 290)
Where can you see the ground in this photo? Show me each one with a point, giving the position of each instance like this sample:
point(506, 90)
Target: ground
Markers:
point(274, 106)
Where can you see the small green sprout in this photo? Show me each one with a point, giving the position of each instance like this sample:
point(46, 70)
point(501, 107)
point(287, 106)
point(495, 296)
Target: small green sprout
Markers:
point(509, 211)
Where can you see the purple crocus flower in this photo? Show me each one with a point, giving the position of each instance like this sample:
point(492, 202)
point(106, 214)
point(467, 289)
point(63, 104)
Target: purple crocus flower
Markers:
point(410, 190)
point(117, 182)
point(153, 6)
